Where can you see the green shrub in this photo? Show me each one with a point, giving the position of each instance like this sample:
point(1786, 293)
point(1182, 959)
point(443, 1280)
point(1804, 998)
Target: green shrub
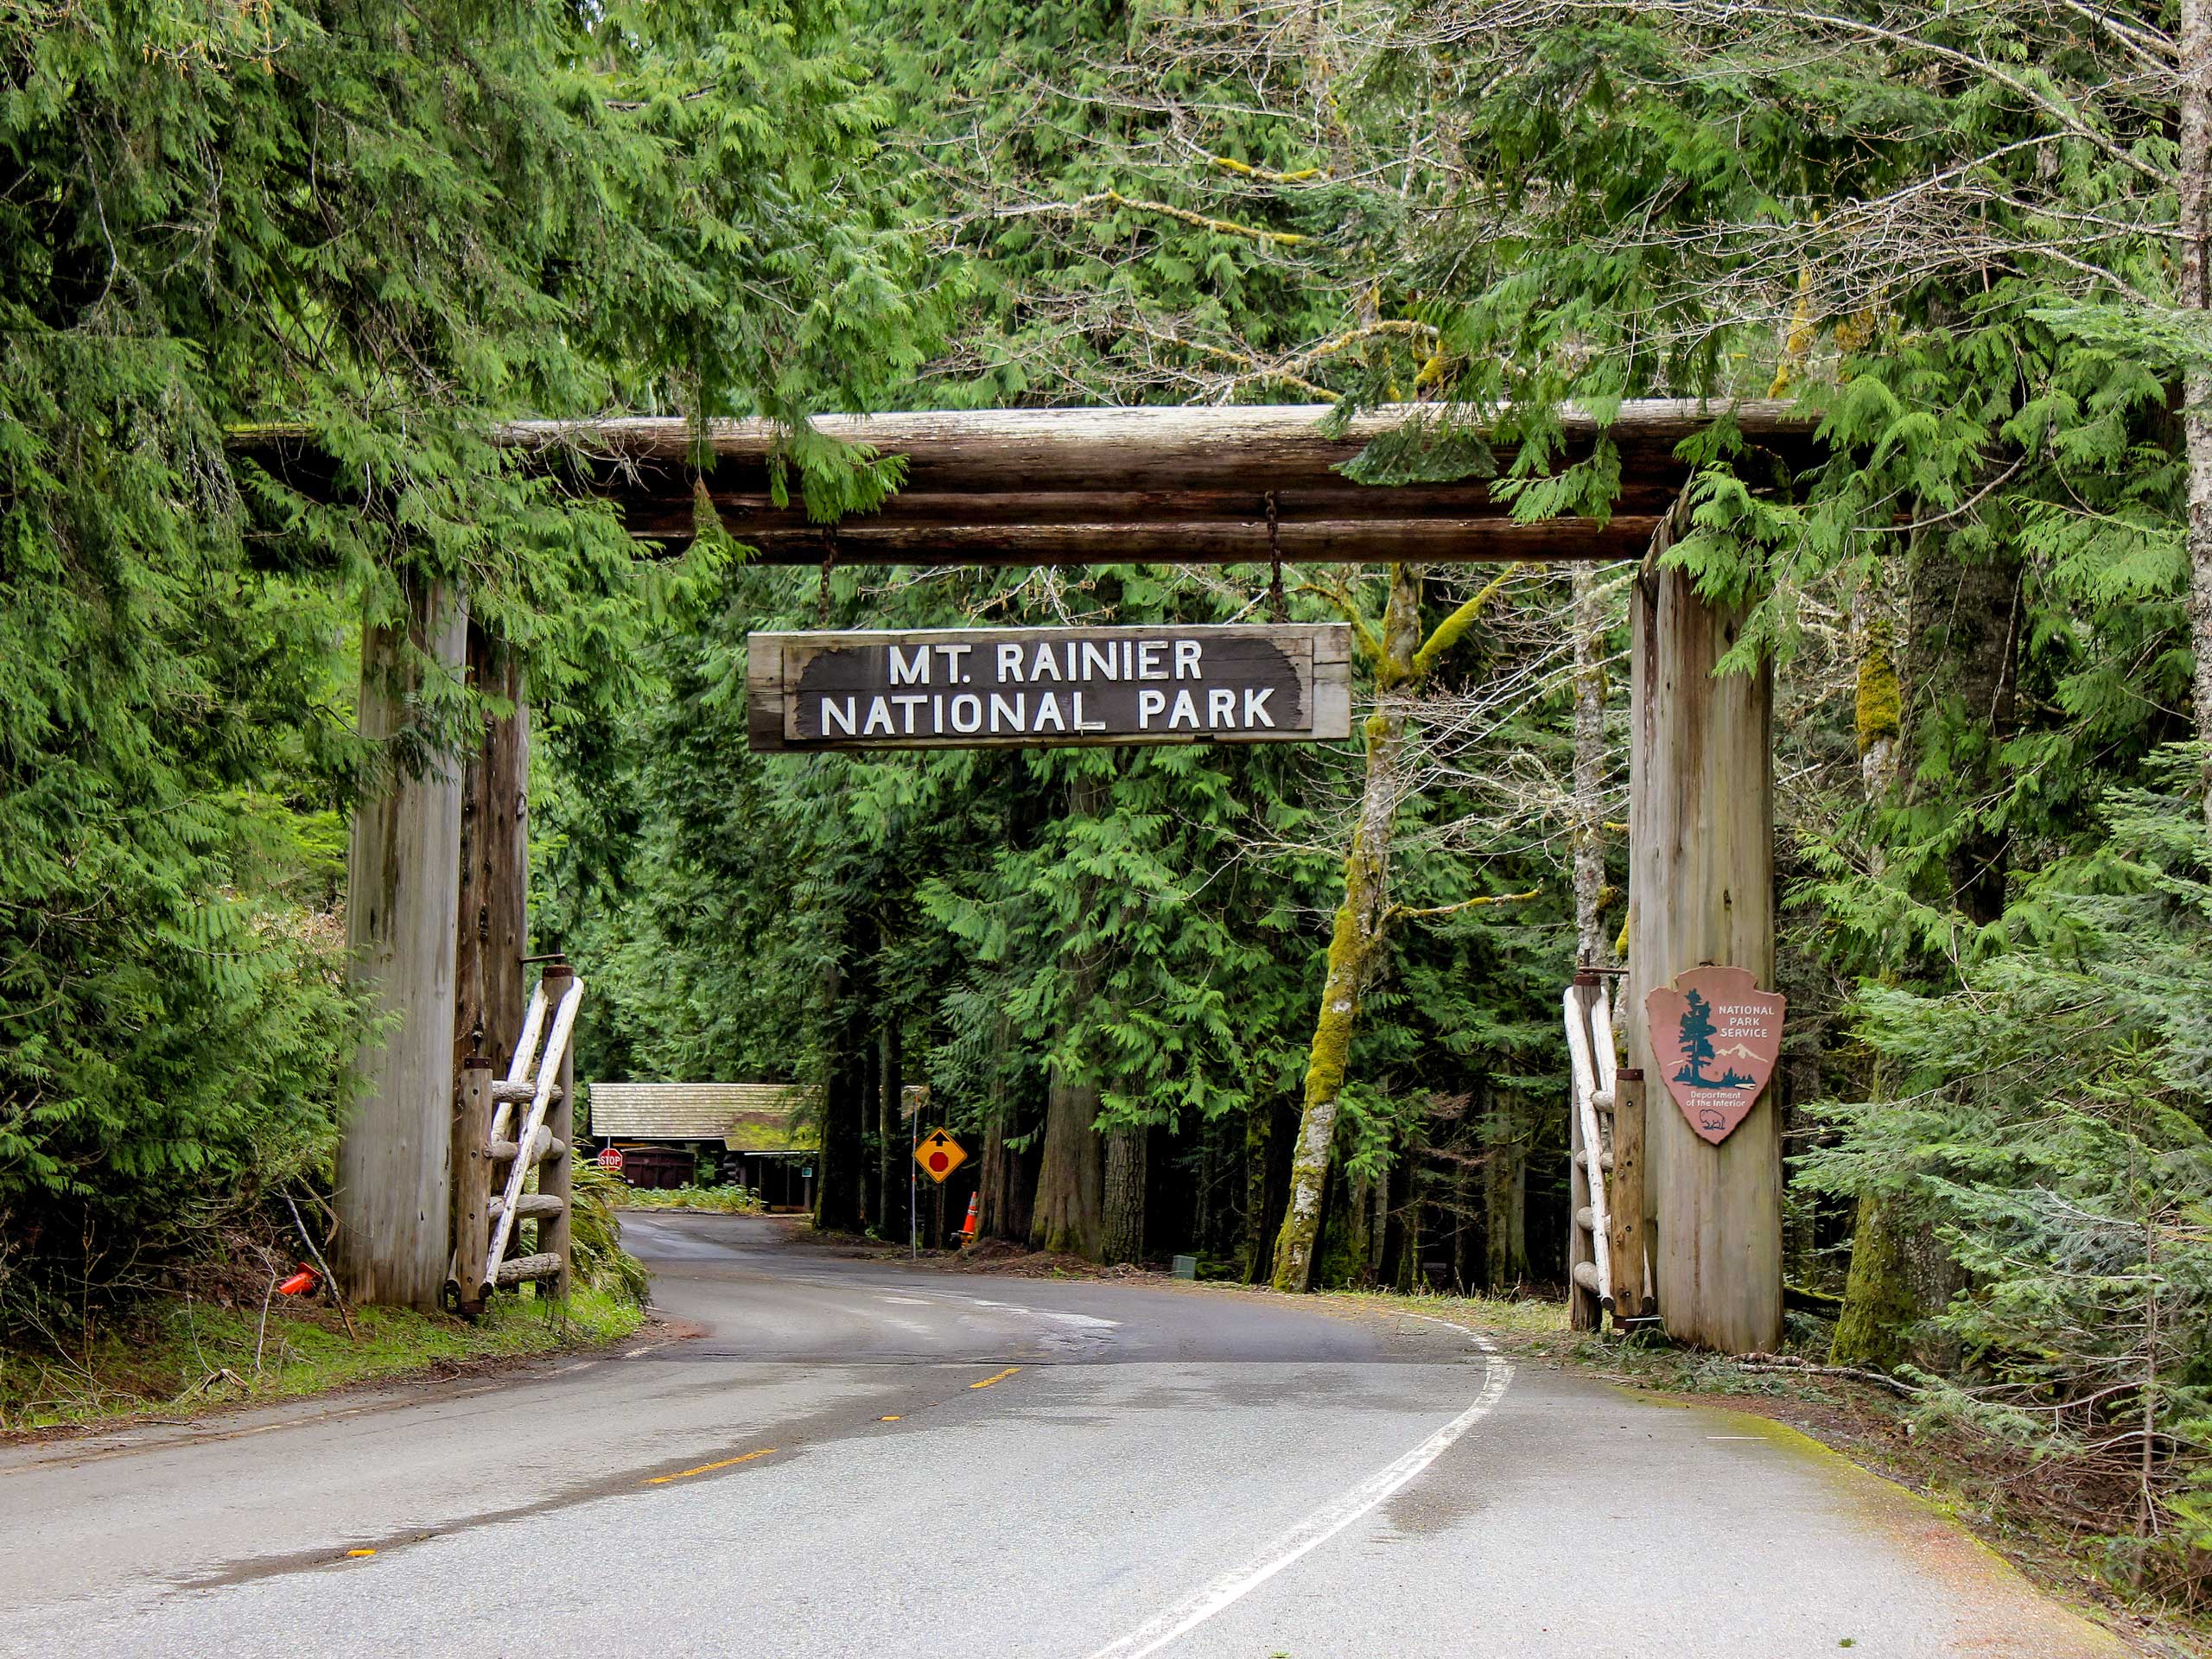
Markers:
point(2054, 1120)
point(595, 1236)
point(723, 1200)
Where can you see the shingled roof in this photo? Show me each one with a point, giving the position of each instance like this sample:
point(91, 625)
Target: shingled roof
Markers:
point(743, 1116)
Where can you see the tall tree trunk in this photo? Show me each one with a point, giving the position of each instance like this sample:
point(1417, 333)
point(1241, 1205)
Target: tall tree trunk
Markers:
point(1122, 1231)
point(1963, 651)
point(1259, 1134)
point(1355, 940)
point(494, 935)
point(867, 1112)
point(840, 1191)
point(2195, 184)
point(1461, 1180)
point(393, 1202)
point(1880, 702)
point(1005, 1209)
point(1067, 1214)
point(1505, 1214)
point(891, 1139)
point(1401, 1225)
point(1589, 832)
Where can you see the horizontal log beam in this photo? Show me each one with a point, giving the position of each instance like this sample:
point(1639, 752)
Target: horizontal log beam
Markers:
point(517, 1093)
point(547, 1145)
point(1091, 486)
point(515, 1269)
point(659, 498)
point(1086, 447)
point(1344, 542)
point(531, 1206)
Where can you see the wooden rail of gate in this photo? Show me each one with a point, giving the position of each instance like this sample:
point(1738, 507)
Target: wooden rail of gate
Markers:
point(1605, 1231)
point(499, 1148)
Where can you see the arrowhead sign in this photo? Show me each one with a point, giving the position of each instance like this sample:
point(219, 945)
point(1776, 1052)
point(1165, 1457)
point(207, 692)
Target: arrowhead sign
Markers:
point(939, 1154)
point(1717, 1037)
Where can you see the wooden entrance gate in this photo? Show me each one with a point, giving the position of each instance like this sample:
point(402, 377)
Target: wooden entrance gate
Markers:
point(1168, 486)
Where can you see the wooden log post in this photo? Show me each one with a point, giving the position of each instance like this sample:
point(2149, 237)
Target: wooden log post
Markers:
point(1701, 890)
point(493, 919)
point(1624, 1190)
point(394, 1198)
point(472, 1180)
point(491, 933)
point(555, 1178)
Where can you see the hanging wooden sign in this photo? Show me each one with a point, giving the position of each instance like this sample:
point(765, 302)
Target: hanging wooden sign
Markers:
point(998, 687)
point(1717, 1037)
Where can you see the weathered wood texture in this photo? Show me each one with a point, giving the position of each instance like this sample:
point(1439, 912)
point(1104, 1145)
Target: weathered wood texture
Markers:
point(531, 1206)
point(881, 688)
point(394, 1159)
point(516, 1269)
point(472, 1180)
point(1701, 890)
point(1624, 1190)
point(1344, 538)
point(1072, 486)
point(1075, 485)
point(493, 932)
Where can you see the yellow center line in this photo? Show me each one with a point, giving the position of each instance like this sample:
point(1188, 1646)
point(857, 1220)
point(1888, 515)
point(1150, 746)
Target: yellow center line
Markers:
point(887, 1420)
point(709, 1468)
point(1001, 1378)
point(355, 1553)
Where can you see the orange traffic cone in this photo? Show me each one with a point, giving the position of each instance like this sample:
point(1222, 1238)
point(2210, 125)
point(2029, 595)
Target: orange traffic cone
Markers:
point(968, 1227)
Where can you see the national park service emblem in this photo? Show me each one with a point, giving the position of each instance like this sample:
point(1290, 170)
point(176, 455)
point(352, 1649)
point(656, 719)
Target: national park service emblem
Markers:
point(1717, 1037)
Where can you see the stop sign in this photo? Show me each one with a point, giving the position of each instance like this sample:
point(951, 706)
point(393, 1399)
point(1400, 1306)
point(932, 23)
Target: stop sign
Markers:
point(610, 1158)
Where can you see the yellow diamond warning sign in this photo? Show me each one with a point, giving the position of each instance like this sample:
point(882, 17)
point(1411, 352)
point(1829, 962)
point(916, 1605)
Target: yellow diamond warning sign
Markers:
point(938, 1154)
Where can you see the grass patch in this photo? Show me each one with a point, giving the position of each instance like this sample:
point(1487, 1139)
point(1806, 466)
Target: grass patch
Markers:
point(180, 1357)
point(1523, 1315)
point(714, 1200)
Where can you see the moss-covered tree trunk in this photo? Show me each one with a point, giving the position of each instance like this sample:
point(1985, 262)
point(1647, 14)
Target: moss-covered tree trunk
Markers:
point(1961, 675)
point(1259, 1142)
point(1355, 940)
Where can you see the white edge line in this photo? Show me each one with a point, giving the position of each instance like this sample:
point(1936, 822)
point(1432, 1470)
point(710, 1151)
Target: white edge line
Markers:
point(1323, 1524)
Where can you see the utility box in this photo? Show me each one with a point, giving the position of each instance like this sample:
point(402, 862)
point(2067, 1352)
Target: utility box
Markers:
point(1187, 1266)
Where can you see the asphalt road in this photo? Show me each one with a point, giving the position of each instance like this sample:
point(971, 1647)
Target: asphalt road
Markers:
point(860, 1459)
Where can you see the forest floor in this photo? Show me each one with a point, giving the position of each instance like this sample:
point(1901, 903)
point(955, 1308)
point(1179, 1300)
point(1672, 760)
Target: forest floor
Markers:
point(175, 1356)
